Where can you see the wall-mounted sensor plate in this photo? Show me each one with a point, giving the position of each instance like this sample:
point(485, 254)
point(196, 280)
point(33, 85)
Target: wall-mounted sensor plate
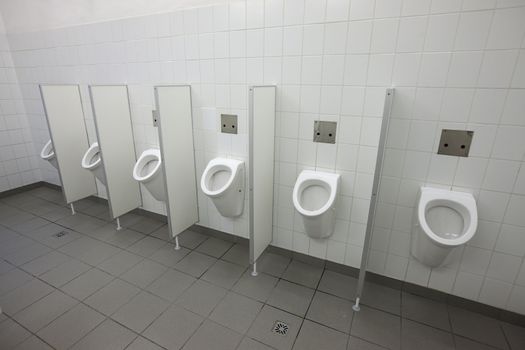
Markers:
point(155, 116)
point(455, 142)
point(229, 123)
point(324, 131)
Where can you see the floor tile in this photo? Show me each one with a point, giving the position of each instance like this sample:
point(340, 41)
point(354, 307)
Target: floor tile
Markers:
point(250, 344)
point(47, 235)
point(314, 336)
point(12, 280)
point(291, 297)
point(273, 264)
point(162, 233)
point(382, 297)
point(89, 250)
point(426, 311)
point(223, 274)
point(146, 225)
point(168, 256)
point(72, 221)
point(214, 247)
point(146, 246)
point(45, 310)
point(201, 298)
point(107, 335)
point(173, 328)
point(5, 267)
point(211, 335)
point(27, 253)
point(120, 263)
point(338, 284)
point(304, 274)
point(236, 312)
point(87, 283)
point(259, 287)
point(12, 334)
point(123, 238)
point(478, 327)
point(191, 239)
point(108, 299)
point(24, 296)
point(45, 263)
point(140, 311)
point(263, 325)
point(65, 272)
point(360, 344)
point(331, 311)
point(238, 254)
point(33, 343)
point(515, 335)
point(171, 285)
point(144, 273)
point(415, 336)
point(195, 264)
point(70, 327)
point(468, 344)
point(141, 343)
point(377, 327)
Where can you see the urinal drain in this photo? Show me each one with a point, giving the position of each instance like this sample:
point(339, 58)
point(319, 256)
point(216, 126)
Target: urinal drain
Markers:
point(280, 328)
point(60, 234)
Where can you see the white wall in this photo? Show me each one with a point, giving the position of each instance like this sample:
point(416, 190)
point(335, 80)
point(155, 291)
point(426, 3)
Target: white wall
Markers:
point(18, 164)
point(456, 63)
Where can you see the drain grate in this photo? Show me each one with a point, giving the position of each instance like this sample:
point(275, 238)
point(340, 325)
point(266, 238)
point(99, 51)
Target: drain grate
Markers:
point(280, 328)
point(61, 234)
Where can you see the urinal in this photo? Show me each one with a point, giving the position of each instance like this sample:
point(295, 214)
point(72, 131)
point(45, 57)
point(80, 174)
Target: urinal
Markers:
point(148, 171)
point(48, 153)
point(223, 182)
point(443, 221)
point(314, 197)
point(93, 162)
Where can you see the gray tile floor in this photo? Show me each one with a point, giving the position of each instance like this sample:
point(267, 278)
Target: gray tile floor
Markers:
point(74, 282)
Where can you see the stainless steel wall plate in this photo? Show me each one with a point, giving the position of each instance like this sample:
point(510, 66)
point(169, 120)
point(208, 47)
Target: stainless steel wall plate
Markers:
point(229, 123)
point(455, 142)
point(324, 131)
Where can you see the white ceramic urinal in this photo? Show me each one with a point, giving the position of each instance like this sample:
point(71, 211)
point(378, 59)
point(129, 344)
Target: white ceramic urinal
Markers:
point(93, 162)
point(314, 197)
point(48, 153)
point(148, 171)
point(443, 220)
point(223, 182)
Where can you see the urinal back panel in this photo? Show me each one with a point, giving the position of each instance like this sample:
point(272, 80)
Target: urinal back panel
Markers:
point(176, 145)
point(262, 139)
point(65, 118)
point(115, 137)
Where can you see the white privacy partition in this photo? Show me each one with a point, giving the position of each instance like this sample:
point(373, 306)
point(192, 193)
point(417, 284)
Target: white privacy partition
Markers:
point(115, 137)
point(65, 119)
point(262, 139)
point(176, 147)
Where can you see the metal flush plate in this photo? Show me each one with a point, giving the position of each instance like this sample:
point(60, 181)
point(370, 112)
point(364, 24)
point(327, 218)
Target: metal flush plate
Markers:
point(229, 123)
point(155, 116)
point(324, 131)
point(455, 142)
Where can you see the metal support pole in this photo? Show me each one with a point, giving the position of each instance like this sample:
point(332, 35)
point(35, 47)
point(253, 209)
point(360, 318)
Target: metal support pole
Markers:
point(72, 209)
point(177, 246)
point(254, 271)
point(118, 225)
point(375, 188)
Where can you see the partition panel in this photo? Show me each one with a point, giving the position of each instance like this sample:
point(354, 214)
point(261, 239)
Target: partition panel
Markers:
point(178, 157)
point(65, 119)
point(115, 137)
point(262, 139)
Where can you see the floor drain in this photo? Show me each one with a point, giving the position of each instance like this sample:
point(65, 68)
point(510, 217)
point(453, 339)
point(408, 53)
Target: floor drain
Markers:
point(280, 328)
point(60, 234)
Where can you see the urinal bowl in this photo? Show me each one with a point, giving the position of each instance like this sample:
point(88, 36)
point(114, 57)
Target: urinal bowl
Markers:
point(443, 222)
point(314, 197)
point(148, 171)
point(92, 161)
point(48, 153)
point(223, 182)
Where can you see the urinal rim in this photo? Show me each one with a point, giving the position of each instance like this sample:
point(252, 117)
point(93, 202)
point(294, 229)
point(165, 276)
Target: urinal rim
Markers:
point(326, 179)
point(430, 198)
point(90, 152)
point(142, 161)
point(50, 155)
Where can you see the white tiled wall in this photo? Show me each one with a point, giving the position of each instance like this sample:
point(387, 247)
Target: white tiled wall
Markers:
point(18, 164)
point(454, 63)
